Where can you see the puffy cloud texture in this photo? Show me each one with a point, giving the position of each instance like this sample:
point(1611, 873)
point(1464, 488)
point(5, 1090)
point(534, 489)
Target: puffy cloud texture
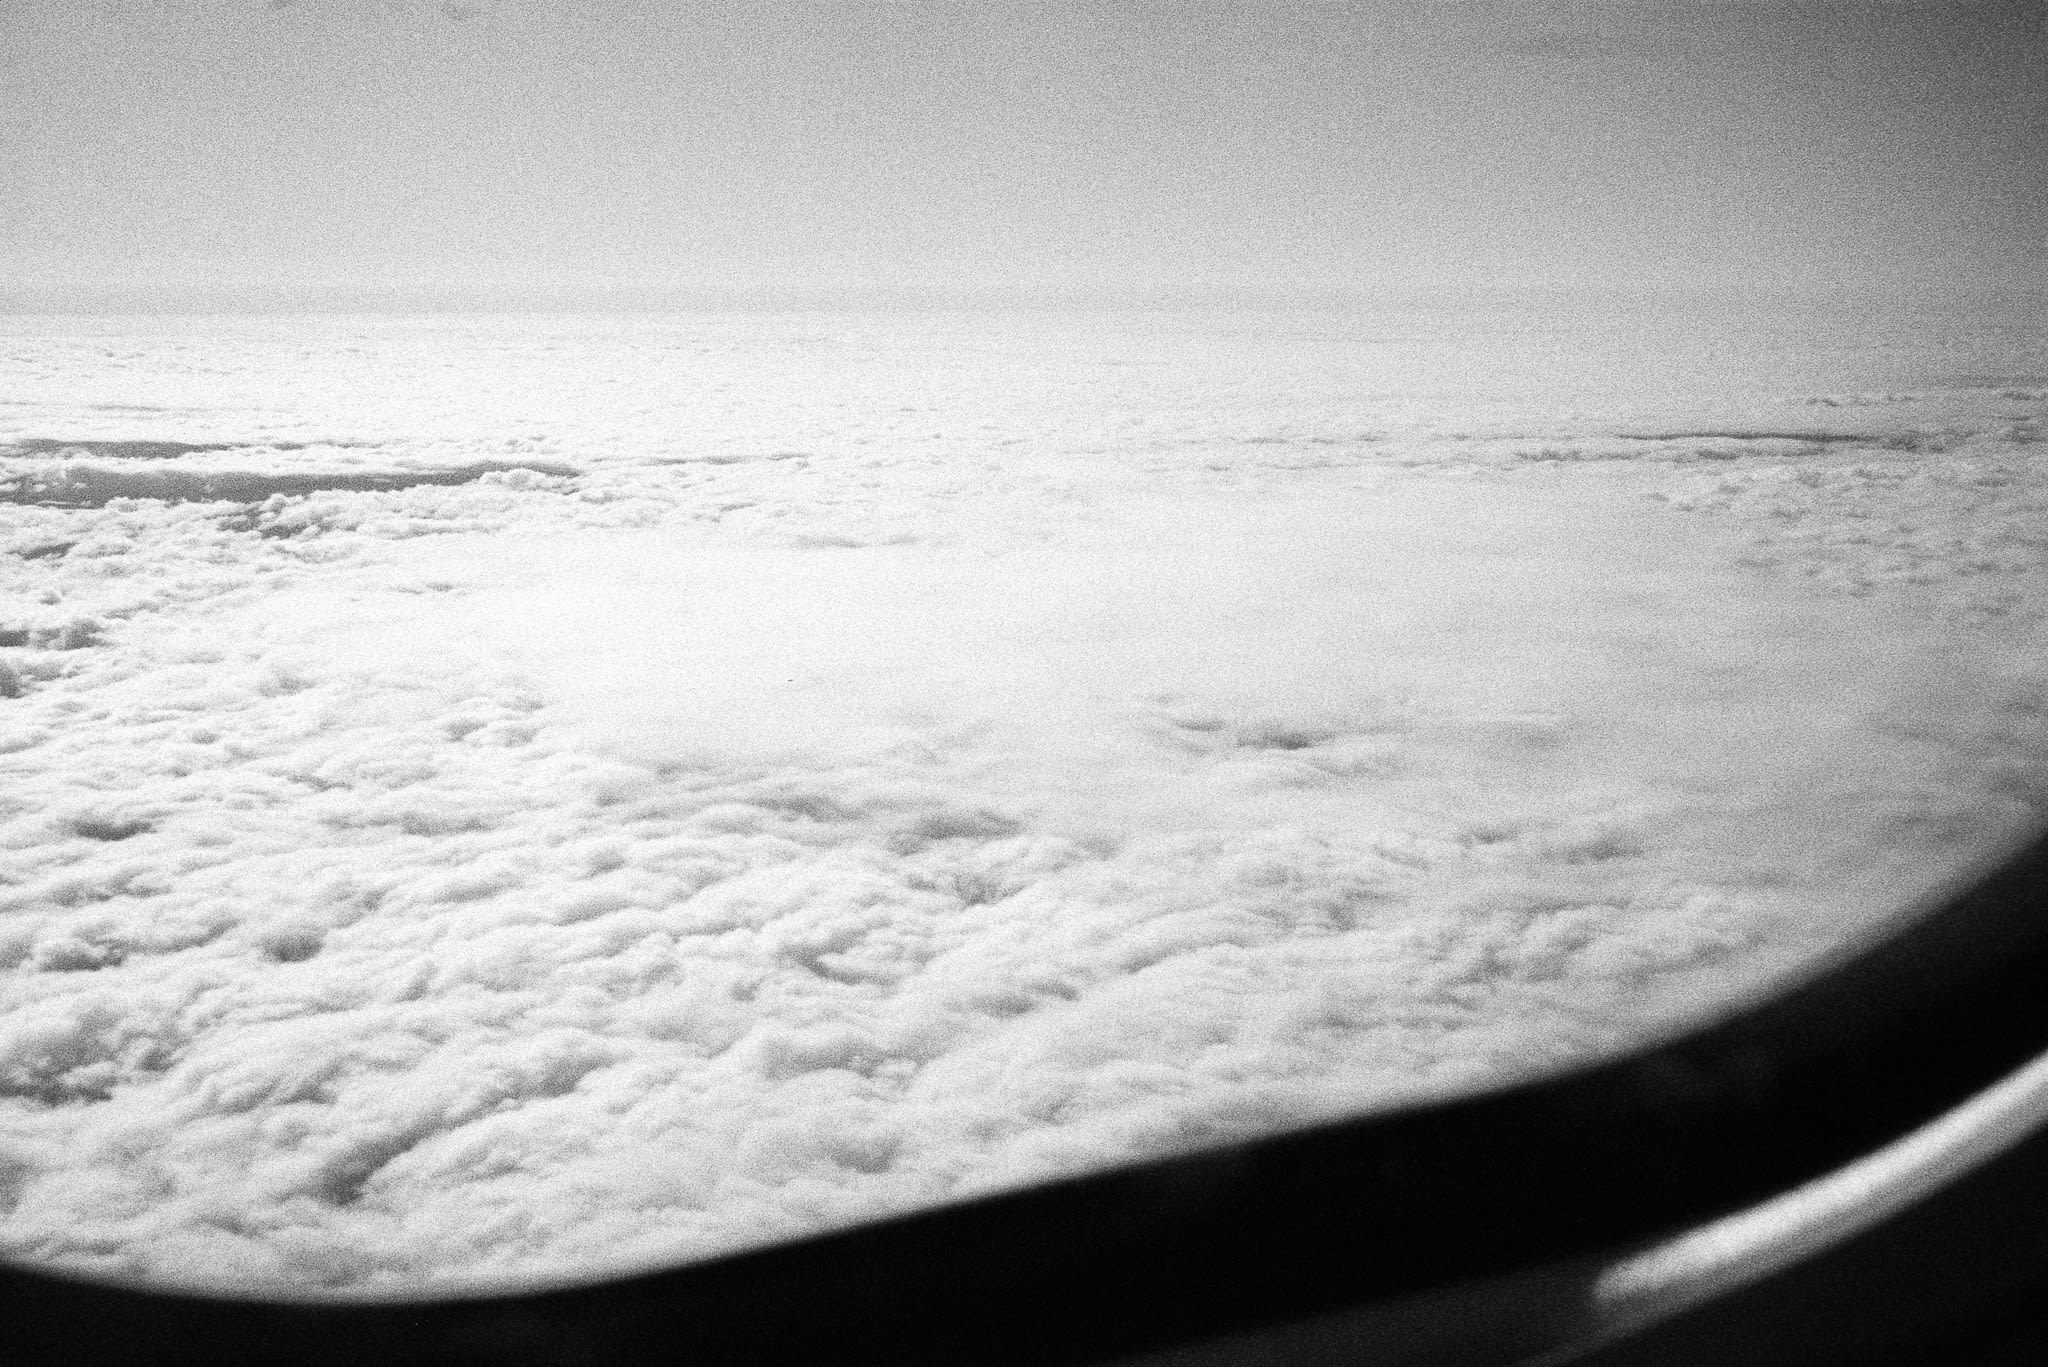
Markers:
point(508, 798)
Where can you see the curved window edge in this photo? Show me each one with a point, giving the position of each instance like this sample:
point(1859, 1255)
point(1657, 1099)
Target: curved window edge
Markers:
point(1485, 1228)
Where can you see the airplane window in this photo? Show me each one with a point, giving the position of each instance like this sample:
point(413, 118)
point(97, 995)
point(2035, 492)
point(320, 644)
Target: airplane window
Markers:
point(504, 787)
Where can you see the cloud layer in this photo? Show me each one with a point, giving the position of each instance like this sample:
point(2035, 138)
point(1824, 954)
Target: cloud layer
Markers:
point(823, 767)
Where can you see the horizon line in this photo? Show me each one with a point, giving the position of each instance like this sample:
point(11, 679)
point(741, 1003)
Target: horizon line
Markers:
point(33, 298)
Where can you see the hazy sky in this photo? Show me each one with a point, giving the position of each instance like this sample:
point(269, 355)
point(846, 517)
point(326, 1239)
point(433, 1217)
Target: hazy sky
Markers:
point(237, 147)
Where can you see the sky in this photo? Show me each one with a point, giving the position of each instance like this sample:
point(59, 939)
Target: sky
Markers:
point(243, 152)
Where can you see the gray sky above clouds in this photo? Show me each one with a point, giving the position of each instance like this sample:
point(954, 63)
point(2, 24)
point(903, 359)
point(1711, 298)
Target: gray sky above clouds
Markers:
point(235, 149)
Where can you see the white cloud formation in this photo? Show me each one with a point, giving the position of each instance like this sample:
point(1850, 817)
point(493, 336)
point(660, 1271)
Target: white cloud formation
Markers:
point(860, 763)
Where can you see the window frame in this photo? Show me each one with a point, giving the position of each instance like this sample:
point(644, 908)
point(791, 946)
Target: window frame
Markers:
point(1472, 1229)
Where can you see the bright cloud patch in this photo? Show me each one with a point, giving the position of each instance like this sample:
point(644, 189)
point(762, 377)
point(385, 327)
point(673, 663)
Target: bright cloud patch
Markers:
point(685, 784)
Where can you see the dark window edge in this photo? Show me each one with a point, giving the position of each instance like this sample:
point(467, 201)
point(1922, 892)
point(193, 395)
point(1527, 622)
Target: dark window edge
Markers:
point(1515, 1198)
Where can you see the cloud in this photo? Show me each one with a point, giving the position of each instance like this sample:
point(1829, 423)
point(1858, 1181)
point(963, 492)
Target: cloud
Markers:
point(840, 787)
